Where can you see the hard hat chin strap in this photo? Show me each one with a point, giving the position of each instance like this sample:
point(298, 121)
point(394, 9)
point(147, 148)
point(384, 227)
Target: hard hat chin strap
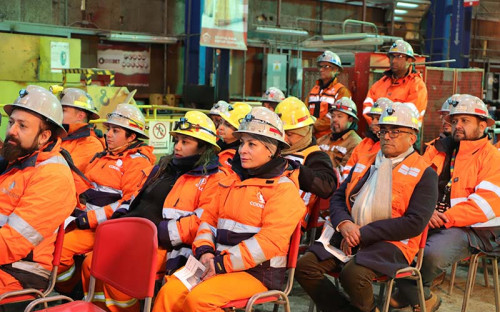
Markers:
point(120, 148)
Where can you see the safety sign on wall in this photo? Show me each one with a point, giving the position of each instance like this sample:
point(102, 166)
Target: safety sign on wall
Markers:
point(59, 56)
point(159, 136)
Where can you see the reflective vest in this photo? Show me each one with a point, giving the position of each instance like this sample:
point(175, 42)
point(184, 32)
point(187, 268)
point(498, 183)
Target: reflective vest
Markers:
point(308, 197)
point(320, 101)
point(250, 223)
point(115, 178)
point(82, 143)
point(37, 195)
point(405, 177)
point(366, 146)
point(409, 89)
point(475, 188)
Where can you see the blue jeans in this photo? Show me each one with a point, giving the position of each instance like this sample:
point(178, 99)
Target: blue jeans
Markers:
point(444, 247)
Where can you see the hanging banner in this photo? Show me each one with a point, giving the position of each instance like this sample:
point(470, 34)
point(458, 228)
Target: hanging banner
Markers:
point(224, 24)
point(131, 63)
point(469, 3)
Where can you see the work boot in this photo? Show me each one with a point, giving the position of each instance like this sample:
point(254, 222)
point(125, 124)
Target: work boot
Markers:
point(398, 300)
point(431, 304)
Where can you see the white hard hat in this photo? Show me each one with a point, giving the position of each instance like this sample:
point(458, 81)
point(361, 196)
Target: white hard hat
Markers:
point(77, 98)
point(330, 57)
point(273, 94)
point(128, 116)
point(345, 105)
point(262, 121)
point(399, 114)
point(42, 102)
point(402, 47)
point(467, 104)
point(218, 108)
point(379, 106)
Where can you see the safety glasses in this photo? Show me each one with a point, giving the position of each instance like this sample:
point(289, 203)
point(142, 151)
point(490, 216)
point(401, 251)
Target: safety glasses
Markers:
point(392, 133)
point(185, 125)
point(325, 66)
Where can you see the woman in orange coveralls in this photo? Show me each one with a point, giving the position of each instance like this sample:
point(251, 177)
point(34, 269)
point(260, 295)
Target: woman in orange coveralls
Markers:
point(244, 234)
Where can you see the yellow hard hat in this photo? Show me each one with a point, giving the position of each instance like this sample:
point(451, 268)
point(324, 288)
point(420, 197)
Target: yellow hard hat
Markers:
point(77, 98)
point(294, 113)
point(197, 125)
point(235, 112)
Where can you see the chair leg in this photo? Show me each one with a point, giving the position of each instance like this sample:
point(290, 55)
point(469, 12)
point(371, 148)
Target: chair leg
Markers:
point(496, 283)
point(388, 295)
point(421, 295)
point(381, 292)
point(470, 280)
point(452, 278)
point(485, 271)
point(312, 232)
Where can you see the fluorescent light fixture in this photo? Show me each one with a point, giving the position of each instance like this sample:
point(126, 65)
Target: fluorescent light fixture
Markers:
point(130, 37)
point(398, 19)
point(281, 31)
point(400, 12)
point(406, 5)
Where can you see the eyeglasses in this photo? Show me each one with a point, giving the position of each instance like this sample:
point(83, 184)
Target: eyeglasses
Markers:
point(325, 66)
point(398, 56)
point(255, 121)
point(392, 133)
point(184, 124)
point(132, 123)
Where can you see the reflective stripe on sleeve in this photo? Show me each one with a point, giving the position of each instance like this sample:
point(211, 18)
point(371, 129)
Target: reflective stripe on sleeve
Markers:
point(235, 258)
point(25, 229)
point(173, 233)
point(484, 205)
point(231, 225)
point(486, 185)
point(255, 250)
point(100, 215)
point(172, 213)
point(3, 219)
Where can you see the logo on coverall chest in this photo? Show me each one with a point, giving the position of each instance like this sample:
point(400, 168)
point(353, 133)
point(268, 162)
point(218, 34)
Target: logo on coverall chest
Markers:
point(9, 191)
point(261, 202)
point(117, 166)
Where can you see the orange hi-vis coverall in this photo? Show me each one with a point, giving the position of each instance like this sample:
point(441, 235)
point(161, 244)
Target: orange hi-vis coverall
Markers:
point(38, 194)
point(340, 149)
point(82, 143)
point(409, 89)
point(497, 145)
point(367, 146)
point(475, 187)
point(248, 228)
point(317, 178)
point(115, 179)
point(181, 217)
point(320, 100)
point(227, 153)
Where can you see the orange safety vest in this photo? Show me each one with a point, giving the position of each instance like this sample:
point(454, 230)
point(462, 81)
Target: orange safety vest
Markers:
point(366, 146)
point(409, 89)
point(324, 98)
point(341, 149)
point(38, 194)
point(475, 188)
point(115, 178)
point(82, 143)
point(405, 177)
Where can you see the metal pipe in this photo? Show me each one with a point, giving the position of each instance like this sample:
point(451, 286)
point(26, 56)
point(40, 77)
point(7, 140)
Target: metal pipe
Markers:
point(244, 72)
point(363, 15)
point(65, 12)
point(165, 48)
point(278, 15)
point(186, 70)
point(436, 62)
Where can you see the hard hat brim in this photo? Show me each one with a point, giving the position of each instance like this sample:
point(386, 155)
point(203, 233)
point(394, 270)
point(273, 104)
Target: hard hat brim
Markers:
point(93, 115)
point(237, 134)
point(189, 134)
point(9, 108)
point(140, 134)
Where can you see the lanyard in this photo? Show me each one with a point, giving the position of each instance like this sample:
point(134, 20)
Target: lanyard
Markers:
point(447, 189)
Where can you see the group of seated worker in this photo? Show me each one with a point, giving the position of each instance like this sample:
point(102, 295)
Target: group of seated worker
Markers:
point(231, 194)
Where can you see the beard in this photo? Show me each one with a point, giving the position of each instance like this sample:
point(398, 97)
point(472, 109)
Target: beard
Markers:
point(11, 152)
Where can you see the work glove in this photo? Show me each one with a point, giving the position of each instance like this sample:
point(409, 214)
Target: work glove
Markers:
point(119, 213)
point(82, 221)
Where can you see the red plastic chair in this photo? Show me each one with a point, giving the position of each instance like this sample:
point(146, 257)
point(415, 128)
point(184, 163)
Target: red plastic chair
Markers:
point(32, 293)
point(124, 257)
point(314, 223)
point(274, 296)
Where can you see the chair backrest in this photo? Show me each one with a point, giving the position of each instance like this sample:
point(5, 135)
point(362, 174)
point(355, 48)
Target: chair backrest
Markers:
point(125, 255)
point(293, 250)
point(56, 260)
point(421, 247)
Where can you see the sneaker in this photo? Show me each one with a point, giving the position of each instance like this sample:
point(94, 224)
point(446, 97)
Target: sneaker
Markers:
point(431, 304)
point(398, 301)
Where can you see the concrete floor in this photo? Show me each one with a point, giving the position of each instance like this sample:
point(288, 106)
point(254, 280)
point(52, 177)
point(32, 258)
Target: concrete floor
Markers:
point(482, 298)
